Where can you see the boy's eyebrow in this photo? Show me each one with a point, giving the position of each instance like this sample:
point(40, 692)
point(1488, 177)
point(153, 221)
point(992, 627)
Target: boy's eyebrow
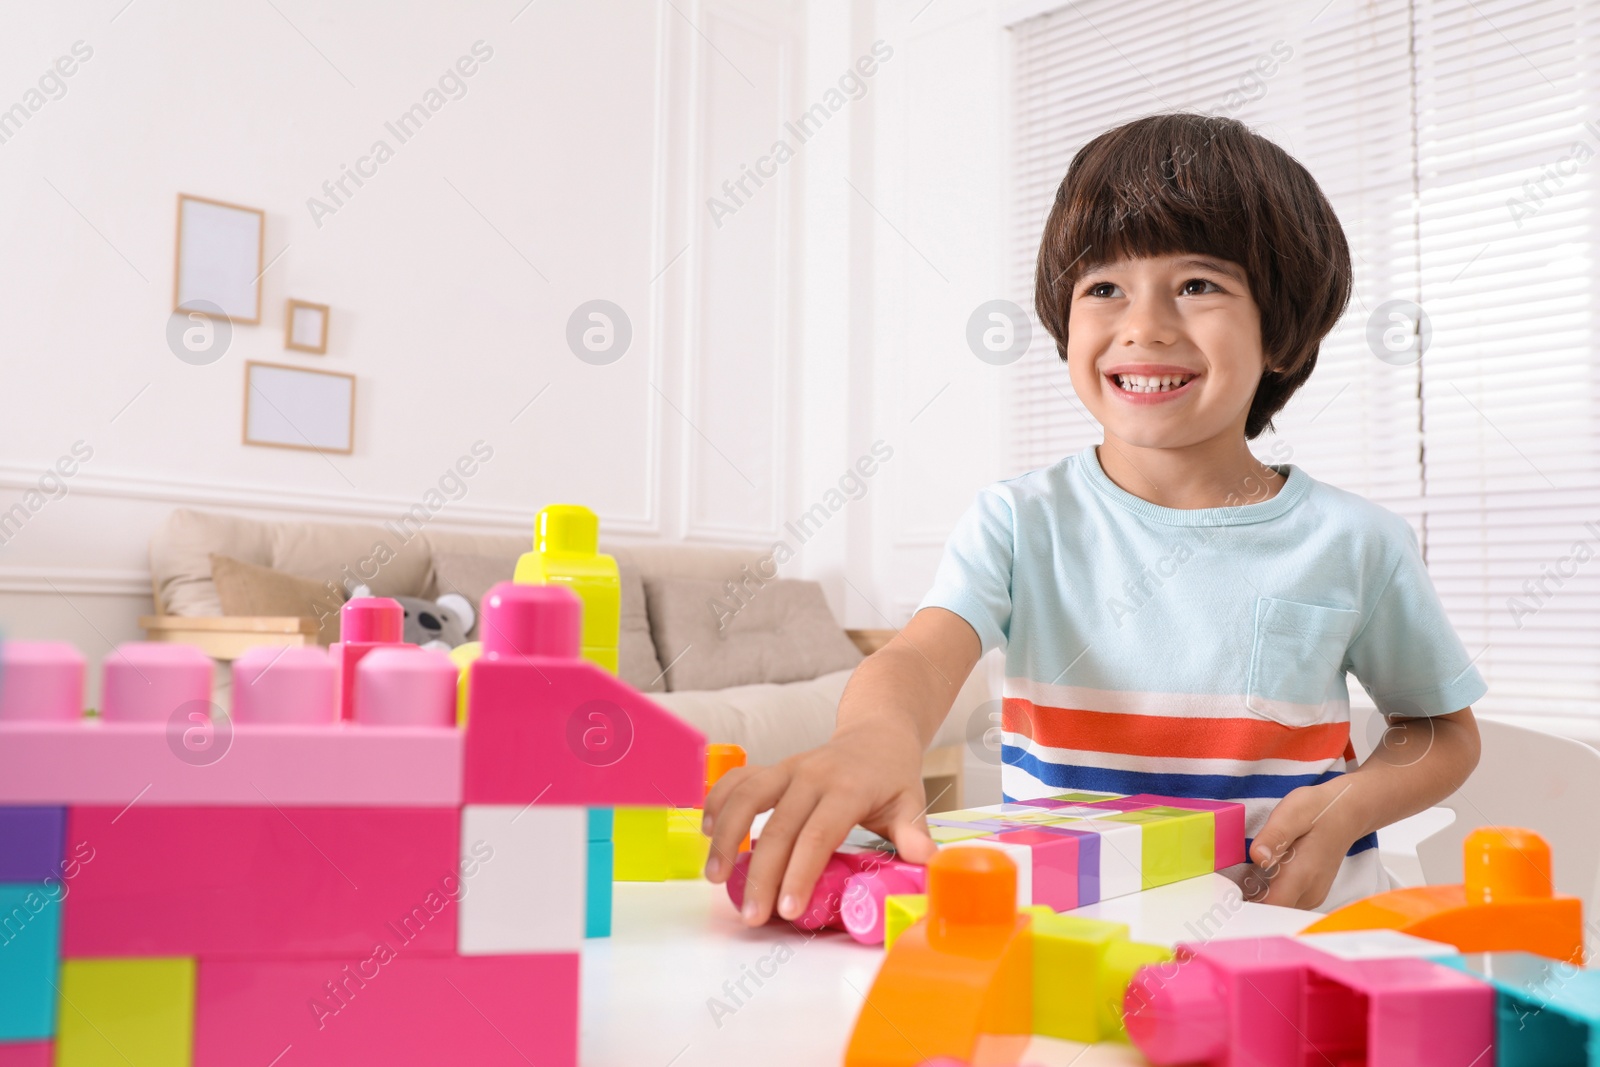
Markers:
point(1221, 266)
point(1218, 265)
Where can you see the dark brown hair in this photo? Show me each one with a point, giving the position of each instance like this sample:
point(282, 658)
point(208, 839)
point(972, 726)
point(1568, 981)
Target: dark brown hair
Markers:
point(1202, 184)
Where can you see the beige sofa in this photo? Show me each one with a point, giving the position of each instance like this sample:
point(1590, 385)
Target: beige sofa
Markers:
point(770, 720)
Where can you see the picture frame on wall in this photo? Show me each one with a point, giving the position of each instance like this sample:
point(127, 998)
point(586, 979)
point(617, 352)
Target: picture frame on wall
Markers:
point(305, 327)
point(299, 408)
point(218, 262)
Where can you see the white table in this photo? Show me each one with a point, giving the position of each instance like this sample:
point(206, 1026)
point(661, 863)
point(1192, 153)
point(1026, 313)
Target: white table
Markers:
point(651, 992)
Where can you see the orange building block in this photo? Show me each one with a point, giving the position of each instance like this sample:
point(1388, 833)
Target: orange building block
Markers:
point(964, 970)
point(1506, 904)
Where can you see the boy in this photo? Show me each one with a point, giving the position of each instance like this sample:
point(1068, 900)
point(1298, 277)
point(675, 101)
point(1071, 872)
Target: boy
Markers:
point(1177, 617)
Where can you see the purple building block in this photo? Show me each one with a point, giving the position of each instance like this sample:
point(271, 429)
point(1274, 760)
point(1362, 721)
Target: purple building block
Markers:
point(31, 843)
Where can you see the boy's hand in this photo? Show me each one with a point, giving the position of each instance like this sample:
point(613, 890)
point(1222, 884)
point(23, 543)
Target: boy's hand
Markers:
point(869, 774)
point(1304, 841)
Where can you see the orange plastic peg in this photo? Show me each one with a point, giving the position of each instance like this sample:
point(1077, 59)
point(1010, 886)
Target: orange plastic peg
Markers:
point(971, 887)
point(1506, 862)
point(720, 759)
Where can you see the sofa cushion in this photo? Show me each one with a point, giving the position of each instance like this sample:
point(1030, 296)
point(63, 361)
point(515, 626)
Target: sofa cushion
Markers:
point(350, 554)
point(472, 575)
point(389, 563)
point(246, 589)
point(781, 632)
point(180, 557)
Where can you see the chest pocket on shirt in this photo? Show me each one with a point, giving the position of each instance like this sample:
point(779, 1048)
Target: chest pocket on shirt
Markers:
point(1298, 653)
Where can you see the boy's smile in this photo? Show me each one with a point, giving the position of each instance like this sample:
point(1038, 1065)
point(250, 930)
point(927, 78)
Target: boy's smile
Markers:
point(1150, 383)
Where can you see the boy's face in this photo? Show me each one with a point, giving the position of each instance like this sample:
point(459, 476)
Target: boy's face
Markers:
point(1166, 351)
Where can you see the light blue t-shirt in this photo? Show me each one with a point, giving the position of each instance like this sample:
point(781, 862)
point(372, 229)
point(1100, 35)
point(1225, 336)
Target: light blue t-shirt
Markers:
point(1201, 652)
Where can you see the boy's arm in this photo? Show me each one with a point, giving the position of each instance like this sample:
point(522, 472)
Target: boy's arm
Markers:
point(869, 772)
point(1418, 763)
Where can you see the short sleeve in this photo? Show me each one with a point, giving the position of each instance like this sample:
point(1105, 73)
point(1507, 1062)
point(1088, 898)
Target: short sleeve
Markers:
point(1407, 656)
point(974, 575)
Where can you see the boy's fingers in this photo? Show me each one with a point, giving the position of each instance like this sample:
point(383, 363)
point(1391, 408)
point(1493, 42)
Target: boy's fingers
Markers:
point(771, 854)
point(720, 792)
point(908, 829)
point(826, 828)
point(1288, 823)
point(754, 791)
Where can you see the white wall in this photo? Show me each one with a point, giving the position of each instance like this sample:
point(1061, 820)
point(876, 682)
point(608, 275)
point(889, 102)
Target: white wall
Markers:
point(576, 166)
point(773, 345)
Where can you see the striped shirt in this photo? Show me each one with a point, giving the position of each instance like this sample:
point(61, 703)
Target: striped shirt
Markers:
point(1202, 652)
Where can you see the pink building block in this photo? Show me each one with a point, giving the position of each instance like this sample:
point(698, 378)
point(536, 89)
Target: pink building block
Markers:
point(149, 681)
point(40, 681)
point(1273, 1001)
point(826, 907)
point(403, 685)
point(862, 910)
point(365, 623)
point(27, 1054)
point(1055, 865)
point(554, 729)
point(486, 1011)
point(1229, 821)
point(263, 882)
point(285, 686)
point(342, 765)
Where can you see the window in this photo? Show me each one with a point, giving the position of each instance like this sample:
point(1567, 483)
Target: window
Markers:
point(1459, 141)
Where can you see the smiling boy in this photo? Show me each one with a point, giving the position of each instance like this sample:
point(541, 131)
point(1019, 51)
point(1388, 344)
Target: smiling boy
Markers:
point(1177, 616)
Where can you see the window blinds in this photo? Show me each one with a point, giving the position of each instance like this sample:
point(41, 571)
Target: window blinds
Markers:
point(1459, 141)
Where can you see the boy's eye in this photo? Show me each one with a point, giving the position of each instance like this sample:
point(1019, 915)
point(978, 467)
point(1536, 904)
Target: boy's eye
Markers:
point(1100, 289)
point(1201, 282)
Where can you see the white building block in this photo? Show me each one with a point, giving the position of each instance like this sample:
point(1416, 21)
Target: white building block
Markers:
point(1121, 855)
point(1377, 945)
point(528, 895)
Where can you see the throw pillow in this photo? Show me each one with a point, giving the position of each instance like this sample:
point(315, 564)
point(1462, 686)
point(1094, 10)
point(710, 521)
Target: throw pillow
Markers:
point(246, 589)
point(780, 631)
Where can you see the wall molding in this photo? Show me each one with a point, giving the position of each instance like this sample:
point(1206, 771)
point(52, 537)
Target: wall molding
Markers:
point(131, 486)
point(83, 581)
point(694, 377)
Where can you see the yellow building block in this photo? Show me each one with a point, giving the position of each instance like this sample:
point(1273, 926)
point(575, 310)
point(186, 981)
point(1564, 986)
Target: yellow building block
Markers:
point(639, 842)
point(900, 910)
point(687, 847)
point(965, 815)
point(117, 1012)
point(1177, 844)
point(566, 542)
point(463, 656)
point(1081, 970)
point(944, 835)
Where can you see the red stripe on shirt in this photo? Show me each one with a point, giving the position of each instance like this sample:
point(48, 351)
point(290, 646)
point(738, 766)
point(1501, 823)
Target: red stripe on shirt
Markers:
point(1165, 735)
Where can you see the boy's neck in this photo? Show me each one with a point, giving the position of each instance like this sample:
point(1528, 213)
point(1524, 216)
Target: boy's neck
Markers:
point(1213, 474)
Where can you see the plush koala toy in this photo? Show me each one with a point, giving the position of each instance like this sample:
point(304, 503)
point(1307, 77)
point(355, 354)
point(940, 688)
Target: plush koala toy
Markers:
point(438, 624)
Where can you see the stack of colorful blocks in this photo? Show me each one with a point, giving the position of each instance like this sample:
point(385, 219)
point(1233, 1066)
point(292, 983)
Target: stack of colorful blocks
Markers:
point(290, 886)
point(975, 979)
point(1075, 849)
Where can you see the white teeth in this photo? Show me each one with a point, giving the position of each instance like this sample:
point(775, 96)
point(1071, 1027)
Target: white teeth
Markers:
point(1140, 383)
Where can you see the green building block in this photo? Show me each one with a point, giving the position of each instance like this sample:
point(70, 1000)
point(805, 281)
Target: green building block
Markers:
point(117, 1012)
point(900, 910)
point(1081, 969)
point(566, 541)
point(1177, 844)
point(640, 839)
